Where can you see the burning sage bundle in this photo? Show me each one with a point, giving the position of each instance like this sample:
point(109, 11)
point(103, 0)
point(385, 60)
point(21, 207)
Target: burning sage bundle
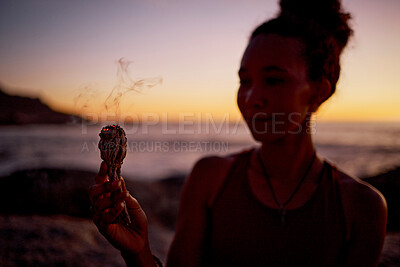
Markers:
point(112, 147)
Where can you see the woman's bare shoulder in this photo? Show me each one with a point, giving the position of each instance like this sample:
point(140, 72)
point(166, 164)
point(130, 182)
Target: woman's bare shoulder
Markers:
point(208, 176)
point(366, 218)
point(360, 196)
point(213, 165)
point(210, 170)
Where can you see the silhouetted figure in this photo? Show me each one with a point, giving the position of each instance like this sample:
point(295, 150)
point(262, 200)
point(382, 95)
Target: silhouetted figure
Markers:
point(278, 204)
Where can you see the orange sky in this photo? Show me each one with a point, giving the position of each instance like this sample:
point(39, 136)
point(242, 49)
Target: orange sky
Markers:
point(55, 49)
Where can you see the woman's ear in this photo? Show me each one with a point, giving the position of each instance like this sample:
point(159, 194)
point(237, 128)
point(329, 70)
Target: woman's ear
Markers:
point(322, 91)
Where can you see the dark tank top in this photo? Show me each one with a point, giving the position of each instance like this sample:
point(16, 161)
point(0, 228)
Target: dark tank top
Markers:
point(244, 232)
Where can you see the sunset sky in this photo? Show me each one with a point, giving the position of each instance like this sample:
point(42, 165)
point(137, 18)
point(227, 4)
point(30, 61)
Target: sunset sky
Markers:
point(66, 52)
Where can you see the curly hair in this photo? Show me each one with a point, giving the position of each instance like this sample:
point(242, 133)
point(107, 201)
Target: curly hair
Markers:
point(323, 28)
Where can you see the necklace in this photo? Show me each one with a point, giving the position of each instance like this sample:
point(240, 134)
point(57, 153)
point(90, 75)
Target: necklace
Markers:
point(282, 210)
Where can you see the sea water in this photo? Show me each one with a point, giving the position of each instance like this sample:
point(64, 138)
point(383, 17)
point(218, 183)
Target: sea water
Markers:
point(158, 151)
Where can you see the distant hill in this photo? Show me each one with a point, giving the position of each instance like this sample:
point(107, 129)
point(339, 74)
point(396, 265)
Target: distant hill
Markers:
point(25, 110)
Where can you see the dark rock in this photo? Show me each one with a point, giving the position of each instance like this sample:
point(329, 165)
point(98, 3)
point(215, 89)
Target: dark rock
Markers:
point(174, 180)
point(46, 191)
point(60, 191)
point(34, 240)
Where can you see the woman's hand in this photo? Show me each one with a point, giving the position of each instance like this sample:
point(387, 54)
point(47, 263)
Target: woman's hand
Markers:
point(108, 200)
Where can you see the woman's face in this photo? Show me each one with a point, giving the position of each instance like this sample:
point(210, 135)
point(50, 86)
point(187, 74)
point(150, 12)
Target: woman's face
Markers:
point(275, 95)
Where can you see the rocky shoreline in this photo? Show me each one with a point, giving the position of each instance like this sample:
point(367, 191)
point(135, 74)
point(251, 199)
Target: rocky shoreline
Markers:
point(45, 218)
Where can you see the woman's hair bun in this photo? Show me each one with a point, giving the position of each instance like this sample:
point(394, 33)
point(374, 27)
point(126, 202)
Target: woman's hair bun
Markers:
point(322, 26)
point(328, 14)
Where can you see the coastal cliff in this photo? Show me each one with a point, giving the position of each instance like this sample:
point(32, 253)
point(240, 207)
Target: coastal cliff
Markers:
point(17, 110)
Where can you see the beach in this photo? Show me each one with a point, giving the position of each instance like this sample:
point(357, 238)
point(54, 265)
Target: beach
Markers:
point(46, 171)
point(46, 221)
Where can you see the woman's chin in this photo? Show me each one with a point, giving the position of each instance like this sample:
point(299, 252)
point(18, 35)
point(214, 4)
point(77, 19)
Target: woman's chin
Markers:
point(267, 137)
point(270, 135)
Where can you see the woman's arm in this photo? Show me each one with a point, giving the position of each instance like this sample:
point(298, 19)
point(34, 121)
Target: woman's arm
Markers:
point(366, 210)
point(188, 247)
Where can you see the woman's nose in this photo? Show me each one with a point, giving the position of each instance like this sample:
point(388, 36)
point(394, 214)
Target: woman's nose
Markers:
point(255, 98)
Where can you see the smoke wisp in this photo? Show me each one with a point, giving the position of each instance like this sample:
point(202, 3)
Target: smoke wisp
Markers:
point(125, 84)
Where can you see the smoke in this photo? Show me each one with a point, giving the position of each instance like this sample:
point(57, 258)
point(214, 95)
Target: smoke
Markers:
point(84, 98)
point(87, 98)
point(125, 84)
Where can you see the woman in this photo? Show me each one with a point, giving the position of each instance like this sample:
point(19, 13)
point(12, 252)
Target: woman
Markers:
point(278, 204)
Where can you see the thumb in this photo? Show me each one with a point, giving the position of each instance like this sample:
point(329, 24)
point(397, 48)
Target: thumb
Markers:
point(101, 176)
point(135, 211)
point(131, 203)
point(139, 218)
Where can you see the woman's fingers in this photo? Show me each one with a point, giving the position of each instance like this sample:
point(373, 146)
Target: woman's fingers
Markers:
point(103, 220)
point(98, 190)
point(109, 199)
point(106, 199)
point(109, 202)
point(110, 216)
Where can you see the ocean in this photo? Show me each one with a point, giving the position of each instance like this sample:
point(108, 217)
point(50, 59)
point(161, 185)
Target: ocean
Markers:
point(158, 151)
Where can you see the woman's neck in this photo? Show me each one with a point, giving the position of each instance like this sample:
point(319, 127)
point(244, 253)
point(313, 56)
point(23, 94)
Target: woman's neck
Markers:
point(287, 158)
